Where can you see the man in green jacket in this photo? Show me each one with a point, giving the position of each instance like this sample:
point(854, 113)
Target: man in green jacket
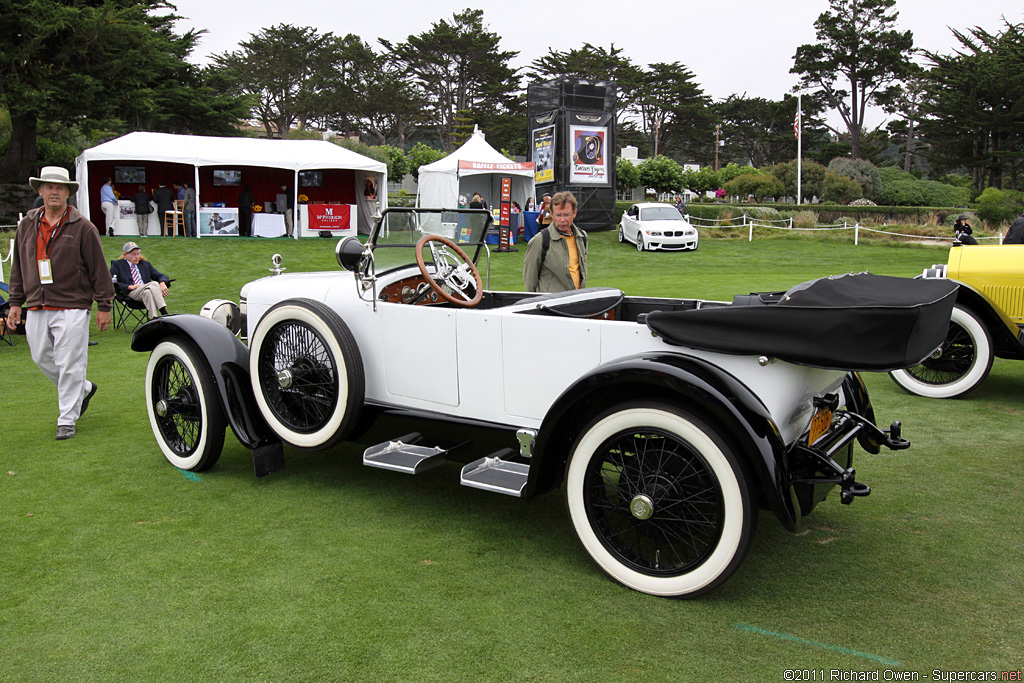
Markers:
point(57, 272)
point(556, 257)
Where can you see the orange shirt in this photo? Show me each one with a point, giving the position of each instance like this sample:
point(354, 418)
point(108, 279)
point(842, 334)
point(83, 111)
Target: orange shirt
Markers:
point(43, 235)
point(574, 259)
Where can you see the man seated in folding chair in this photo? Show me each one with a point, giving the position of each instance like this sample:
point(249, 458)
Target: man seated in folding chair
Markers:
point(136, 278)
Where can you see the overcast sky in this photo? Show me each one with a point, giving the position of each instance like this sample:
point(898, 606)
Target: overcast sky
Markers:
point(732, 46)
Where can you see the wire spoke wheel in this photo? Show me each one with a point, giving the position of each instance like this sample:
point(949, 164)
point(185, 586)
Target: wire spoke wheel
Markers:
point(653, 502)
point(183, 406)
point(299, 376)
point(307, 373)
point(951, 362)
point(181, 423)
point(958, 366)
point(659, 500)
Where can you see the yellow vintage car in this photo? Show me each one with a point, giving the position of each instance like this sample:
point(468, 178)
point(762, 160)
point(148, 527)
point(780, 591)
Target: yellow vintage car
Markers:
point(987, 321)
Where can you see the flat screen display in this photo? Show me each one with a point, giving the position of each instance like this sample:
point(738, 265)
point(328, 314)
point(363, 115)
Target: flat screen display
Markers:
point(130, 175)
point(227, 178)
point(311, 178)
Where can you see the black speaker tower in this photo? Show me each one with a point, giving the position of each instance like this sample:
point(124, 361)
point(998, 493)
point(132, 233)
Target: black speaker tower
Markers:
point(562, 113)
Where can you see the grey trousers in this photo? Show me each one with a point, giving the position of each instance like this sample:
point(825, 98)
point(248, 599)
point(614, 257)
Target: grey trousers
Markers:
point(59, 341)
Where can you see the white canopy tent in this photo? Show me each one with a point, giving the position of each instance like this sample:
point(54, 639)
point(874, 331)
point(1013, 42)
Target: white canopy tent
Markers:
point(199, 151)
point(480, 170)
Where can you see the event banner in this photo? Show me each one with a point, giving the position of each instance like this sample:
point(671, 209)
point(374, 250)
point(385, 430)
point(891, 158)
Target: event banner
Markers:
point(330, 216)
point(589, 162)
point(486, 166)
point(544, 154)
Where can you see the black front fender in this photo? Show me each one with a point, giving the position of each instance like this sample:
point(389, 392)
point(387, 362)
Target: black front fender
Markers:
point(228, 359)
point(686, 381)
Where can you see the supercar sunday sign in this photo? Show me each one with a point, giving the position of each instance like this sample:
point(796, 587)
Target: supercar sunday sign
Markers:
point(589, 163)
point(544, 155)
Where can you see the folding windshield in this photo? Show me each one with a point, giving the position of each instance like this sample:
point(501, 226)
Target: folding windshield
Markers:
point(399, 229)
point(659, 213)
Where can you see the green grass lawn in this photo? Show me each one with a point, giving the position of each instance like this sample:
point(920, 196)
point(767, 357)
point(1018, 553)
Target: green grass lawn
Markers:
point(116, 566)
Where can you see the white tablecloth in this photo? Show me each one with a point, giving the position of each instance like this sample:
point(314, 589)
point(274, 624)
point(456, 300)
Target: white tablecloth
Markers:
point(268, 225)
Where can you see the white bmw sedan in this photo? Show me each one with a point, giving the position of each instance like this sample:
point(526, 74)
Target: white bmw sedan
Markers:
point(654, 225)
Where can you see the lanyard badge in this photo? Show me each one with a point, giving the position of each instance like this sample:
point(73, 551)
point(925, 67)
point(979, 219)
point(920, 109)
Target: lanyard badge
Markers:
point(45, 274)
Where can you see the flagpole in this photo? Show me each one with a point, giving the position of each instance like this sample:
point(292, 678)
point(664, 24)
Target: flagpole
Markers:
point(799, 146)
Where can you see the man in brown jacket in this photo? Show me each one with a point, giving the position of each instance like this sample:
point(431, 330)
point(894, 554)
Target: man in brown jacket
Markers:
point(58, 270)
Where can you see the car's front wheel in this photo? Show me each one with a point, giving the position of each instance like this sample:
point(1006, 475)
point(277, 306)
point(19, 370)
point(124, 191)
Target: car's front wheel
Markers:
point(639, 241)
point(958, 366)
point(307, 373)
point(659, 501)
point(183, 406)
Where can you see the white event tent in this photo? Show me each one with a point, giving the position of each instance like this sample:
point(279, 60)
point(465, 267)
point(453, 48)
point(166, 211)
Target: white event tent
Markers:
point(473, 167)
point(168, 154)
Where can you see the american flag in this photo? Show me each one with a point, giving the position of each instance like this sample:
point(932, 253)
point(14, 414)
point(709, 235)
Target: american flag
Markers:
point(796, 126)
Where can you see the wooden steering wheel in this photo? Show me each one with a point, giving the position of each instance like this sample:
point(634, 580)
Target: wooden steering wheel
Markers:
point(454, 273)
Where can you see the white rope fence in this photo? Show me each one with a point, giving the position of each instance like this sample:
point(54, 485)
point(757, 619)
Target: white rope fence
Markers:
point(750, 222)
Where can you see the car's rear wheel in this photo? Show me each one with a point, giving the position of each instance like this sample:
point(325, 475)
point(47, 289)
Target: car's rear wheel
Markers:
point(659, 501)
point(307, 373)
point(183, 406)
point(622, 237)
point(958, 366)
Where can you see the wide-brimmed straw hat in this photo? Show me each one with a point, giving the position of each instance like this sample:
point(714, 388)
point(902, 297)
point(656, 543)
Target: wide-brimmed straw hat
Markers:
point(54, 174)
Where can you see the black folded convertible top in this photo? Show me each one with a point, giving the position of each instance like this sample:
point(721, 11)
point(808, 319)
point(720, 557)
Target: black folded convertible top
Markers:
point(851, 322)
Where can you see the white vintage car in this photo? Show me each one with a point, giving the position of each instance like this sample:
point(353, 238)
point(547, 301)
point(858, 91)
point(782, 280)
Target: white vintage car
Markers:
point(667, 423)
point(655, 225)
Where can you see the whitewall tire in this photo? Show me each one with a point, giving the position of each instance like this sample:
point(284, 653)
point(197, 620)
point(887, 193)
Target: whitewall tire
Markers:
point(958, 366)
point(659, 501)
point(183, 406)
point(307, 373)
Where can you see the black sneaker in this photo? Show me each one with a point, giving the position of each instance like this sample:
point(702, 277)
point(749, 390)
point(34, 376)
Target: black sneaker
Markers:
point(65, 432)
point(85, 403)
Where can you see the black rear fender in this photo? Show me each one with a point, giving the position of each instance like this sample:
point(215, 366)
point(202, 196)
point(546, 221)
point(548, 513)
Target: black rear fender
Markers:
point(687, 382)
point(228, 359)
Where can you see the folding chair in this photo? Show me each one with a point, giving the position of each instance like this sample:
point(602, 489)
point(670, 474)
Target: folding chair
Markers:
point(127, 311)
point(5, 334)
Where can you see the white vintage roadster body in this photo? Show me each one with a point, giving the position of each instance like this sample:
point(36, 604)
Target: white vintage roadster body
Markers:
point(664, 445)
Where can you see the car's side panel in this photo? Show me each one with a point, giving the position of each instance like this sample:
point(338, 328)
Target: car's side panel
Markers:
point(421, 348)
point(997, 271)
point(541, 356)
point(1007, 336)
point(519, 362)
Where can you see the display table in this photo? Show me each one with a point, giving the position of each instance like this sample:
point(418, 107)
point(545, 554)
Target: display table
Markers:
point(218, 222)
point(268, 225)
point(338, 219)
point(530, 226)
point(125, 224)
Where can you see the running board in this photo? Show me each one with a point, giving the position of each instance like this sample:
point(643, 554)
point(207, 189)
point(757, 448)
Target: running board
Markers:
point(493, 473)
point(404, 455)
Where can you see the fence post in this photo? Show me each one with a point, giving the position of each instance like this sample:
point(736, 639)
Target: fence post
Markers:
point(856, 233)
point(750, 238)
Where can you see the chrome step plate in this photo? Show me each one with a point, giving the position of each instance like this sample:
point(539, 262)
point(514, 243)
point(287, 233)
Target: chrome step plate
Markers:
point(492, 473)
point(404, 455)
